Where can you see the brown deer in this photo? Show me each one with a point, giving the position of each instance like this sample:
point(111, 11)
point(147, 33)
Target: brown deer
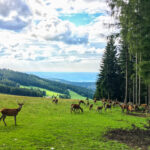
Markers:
point(99, 108)
point(55, 100)
point(76, 107)
point(81, 101)
point(130, 108)
point(10, 112)
point(95, 100)
point(91, 106)
point(123, 106)
point(108, 106)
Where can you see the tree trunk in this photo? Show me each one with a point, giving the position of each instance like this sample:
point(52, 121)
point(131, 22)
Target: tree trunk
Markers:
point(149, 94)
point(133, 92)
point(140, 85)
point(136, 92)
point(126, 89)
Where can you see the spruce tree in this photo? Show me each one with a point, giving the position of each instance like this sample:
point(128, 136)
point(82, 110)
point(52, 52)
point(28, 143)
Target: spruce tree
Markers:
point(108, 81)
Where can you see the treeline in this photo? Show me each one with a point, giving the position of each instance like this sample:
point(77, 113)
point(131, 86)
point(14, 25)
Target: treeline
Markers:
point(125, 69)
point(32, 80)
point(21, 91)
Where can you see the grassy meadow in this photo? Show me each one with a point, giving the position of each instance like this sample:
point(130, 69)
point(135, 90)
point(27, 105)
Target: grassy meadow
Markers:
point(48, 92)
point(43, 125)
point(75, 95)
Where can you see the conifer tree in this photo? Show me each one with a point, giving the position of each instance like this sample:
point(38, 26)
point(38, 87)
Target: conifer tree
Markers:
point(109, 76)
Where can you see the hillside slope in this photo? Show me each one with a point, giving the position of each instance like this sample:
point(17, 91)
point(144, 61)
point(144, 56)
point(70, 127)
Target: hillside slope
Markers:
point(15, 79)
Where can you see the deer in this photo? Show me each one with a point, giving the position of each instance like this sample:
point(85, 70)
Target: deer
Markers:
point(55, 100)
point(10, 112)
point(81, 101)
point(95, 100)
point(76, 107)
point(88, 103)
point(99, 108)
point(91, 106)
point(130, 108)
point(108, 106)
point(123, 106)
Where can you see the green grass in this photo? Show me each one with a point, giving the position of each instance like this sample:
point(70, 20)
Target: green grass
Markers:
point(48, 92)
point(75, 95)
point(43, 125)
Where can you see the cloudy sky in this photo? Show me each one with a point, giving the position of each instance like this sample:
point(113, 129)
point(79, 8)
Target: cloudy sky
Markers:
point(53, 35)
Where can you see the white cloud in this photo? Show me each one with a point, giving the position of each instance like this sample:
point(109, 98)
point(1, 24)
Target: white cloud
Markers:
point(46, 43)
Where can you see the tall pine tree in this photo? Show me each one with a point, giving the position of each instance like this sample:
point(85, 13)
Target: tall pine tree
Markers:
point(109, 76)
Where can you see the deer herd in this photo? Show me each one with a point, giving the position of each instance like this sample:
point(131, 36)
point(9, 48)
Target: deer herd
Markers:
point(109, 104)
point(105, 104)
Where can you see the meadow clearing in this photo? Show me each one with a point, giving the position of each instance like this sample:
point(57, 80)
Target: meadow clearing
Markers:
point(43, 125)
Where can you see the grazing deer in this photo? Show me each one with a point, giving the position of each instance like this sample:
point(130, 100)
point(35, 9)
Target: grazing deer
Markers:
point(123, 106)
point(91, 106)
point(144, 107)
point(99, 108)
point(108, 106)
point(136, 107)
point(10, 112)
point(81, 101)
point(76, 107)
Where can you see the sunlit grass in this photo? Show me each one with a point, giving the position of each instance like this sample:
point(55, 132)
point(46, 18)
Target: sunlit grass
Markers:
point(45, 125)
point(48, 92)
point(75, 95)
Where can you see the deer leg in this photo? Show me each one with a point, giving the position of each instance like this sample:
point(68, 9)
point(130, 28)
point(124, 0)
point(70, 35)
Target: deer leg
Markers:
point(4, 120)
point(15, 120)
point(1, 117)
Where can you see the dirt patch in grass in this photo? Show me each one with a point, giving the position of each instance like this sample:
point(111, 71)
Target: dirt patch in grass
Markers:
point(139, 114)
point(135, 138)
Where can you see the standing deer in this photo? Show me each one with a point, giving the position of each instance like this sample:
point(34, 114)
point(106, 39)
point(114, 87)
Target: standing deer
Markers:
point(108, 106)
point(91, 106)
point(88, 103)
point(55, 100)
point(99, 108)
point(10, 112)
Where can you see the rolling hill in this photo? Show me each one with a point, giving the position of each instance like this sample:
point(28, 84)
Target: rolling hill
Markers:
point(10, 82)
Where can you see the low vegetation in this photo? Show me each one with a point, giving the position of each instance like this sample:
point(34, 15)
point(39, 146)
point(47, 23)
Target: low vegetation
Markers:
point(42, 124)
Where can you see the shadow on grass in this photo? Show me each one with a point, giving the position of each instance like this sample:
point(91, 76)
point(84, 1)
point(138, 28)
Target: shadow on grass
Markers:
point(139, 114)
point(135, 138)
point(8, 128)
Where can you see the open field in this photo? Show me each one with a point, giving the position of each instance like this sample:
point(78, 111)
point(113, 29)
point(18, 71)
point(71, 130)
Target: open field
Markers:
point(75, 95)
point(43, 125)
point(48, 92)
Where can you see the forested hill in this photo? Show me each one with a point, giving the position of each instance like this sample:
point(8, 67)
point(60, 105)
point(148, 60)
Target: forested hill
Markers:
point(11, 81)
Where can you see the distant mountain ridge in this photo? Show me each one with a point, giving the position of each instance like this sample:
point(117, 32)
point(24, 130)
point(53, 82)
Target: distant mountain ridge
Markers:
point(89, 85)
point(68, 76)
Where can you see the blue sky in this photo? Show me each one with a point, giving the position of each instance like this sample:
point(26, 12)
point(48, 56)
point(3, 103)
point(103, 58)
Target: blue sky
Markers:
point(56, 36)
point(80, 19)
